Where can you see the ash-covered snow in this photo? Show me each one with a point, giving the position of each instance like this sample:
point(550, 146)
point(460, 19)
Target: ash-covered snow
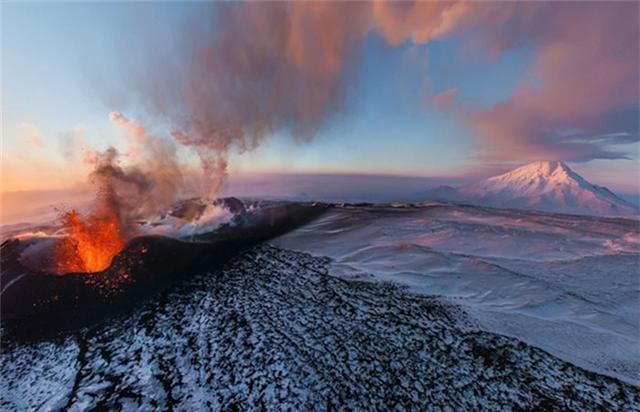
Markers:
point(276, 330)
point(567, 284)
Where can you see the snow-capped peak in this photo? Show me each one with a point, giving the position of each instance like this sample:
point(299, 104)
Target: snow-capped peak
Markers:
point(549, 170)
point(544, 185)
point(533, 179)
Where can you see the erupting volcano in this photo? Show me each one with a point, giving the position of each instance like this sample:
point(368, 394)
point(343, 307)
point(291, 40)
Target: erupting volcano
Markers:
point(91, 242)
point(258, 205)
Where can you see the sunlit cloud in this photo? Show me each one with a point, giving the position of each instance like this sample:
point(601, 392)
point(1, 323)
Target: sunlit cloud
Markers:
point(587, 72)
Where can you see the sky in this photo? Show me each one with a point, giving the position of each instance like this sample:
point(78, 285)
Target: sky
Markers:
point(451, 90)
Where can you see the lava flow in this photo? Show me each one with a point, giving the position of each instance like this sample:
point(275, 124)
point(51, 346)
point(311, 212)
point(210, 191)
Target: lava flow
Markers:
point(91, 242)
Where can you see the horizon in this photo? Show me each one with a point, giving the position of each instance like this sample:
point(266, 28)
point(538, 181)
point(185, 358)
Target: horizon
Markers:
point(45, 205)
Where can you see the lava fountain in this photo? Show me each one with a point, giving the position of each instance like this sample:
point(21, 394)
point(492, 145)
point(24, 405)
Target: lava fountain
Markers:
point(92, 241)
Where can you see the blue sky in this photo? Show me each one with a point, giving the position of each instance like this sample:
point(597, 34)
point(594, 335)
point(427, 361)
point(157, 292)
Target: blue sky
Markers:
point(59, 62)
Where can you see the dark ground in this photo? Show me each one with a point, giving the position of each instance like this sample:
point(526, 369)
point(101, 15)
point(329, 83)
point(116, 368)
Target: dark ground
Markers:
point(273, 330)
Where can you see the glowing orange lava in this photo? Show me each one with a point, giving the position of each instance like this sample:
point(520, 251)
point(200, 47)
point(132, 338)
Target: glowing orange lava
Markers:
point(91, 243)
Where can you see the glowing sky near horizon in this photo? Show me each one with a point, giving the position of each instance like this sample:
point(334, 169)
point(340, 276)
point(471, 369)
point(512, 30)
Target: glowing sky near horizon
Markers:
point(58, 60)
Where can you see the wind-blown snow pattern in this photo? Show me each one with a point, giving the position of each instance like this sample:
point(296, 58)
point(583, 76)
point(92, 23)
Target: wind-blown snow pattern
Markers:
point(543, 185)
point(565, 283)
point(274, 330)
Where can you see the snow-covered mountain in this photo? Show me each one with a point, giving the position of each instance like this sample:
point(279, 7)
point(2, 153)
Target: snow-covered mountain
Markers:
point(544, 185)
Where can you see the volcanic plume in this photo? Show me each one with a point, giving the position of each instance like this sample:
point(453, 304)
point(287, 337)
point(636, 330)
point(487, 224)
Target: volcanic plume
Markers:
point(253, 69)
point(257, 68)
point(92, 241)
point(250, 69)
point(149, 184)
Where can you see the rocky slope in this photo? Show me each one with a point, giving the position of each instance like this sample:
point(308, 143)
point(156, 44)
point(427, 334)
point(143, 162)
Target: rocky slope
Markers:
point(274, 330)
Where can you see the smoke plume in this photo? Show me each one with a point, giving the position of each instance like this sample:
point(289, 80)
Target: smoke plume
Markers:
point(143, 181)
point(154, 169)
point(255, 68)
point(266, 67)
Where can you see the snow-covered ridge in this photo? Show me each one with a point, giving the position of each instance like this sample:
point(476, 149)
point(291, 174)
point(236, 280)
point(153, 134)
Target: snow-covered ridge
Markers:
point(542, 185)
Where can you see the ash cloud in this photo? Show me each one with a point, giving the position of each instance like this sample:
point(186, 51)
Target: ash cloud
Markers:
point(151, 182)
point(142, 181)
point(254, 68)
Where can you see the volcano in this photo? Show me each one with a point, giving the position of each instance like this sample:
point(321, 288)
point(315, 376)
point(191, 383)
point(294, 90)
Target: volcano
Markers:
point(36, 302)
point(549, 186)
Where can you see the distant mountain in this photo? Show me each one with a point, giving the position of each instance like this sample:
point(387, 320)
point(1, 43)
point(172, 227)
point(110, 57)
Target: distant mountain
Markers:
point(544, 185)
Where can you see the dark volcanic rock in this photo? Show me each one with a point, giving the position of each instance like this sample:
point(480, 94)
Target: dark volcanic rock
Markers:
point(35, 303)
point(274, 330)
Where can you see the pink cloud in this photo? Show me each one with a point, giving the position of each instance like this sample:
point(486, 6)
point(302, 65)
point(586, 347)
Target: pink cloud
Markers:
point(587, 66)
